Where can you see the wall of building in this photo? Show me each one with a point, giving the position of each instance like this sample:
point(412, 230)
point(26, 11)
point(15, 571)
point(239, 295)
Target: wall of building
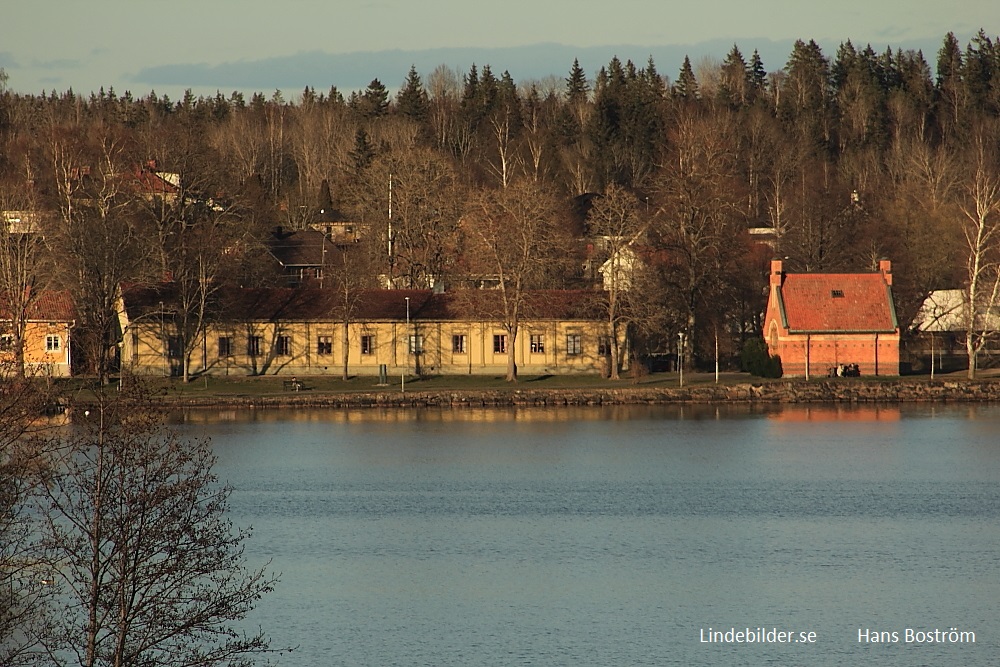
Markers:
point(875, 354)
point(46, 349)
point(317, 348)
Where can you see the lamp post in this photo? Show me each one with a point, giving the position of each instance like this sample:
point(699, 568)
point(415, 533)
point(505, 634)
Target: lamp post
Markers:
point(402, 377)
point(680, 357)
point(932, 355)
point(163, 343)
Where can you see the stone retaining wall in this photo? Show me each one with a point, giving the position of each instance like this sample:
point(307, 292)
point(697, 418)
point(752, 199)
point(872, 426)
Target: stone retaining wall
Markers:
point(834, 391)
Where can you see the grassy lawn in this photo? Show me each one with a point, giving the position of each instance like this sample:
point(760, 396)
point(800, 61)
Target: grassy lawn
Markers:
point(275, 385)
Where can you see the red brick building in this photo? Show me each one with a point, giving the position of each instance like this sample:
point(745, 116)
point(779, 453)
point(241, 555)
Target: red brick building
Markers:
point(821, 321)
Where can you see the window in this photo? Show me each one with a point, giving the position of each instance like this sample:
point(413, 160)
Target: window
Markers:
point(283, 348)
point(253, 346)
point(537, 343)
point(604, 346)
point(458, 342)
point(573, 345)
point(367, 343)
point(324, 345)
point(416, 343)
point(53, 343)
point(175, 347)
point(837, 293)
point(7, 342)
point(499, 343)
point(225, 346)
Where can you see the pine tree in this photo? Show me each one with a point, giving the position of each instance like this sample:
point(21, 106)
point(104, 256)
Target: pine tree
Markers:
point(363, 152)
point(653, 79)
point(980, 71)
point(375, 100)
point(951, 92)
point(845, 61)
point(758, 75)
point(687, 85)
point(412, 99)
point(470, 92)
point(576, 84)
point(734, 88)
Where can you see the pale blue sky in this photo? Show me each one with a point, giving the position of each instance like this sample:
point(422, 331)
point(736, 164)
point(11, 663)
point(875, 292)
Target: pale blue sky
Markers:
point(170, 45)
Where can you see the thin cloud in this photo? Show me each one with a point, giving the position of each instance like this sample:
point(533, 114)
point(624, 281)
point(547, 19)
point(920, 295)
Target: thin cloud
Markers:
point(62, 63)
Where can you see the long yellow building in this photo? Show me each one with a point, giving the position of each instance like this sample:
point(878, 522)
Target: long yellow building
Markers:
point(305, 331)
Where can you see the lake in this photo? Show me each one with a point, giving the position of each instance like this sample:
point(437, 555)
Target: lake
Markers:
point(621, 536)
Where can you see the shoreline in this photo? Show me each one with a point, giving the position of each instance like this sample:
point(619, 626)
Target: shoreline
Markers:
point(772, 392)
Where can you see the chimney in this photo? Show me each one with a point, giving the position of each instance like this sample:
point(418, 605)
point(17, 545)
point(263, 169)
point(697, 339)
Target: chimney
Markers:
point(777, 272)
point(885, 267)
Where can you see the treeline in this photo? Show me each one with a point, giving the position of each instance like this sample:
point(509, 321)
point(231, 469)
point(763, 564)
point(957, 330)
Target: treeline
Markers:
point(836, 160)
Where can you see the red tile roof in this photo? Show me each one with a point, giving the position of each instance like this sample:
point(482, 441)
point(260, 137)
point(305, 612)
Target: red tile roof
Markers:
point(49, 305)
point(842, 302)
point(149, 182)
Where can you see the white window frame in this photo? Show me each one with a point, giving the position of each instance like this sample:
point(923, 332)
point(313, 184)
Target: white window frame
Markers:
point(574, 345)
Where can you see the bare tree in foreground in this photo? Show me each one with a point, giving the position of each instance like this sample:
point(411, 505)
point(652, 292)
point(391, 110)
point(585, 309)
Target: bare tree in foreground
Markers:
point(24, 590)
point(149, 570)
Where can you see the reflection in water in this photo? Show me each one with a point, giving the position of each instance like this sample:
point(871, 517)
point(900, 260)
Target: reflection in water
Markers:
point(479, 414)
point(837, 413)
point(610, 536)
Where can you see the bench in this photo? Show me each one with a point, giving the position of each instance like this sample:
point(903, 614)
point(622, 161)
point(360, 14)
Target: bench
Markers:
point(292, 385)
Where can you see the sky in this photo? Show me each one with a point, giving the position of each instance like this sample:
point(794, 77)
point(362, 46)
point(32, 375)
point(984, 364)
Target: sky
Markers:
point(267, 45)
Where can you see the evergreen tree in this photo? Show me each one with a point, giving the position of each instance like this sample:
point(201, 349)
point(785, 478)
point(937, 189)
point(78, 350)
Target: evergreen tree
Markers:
point(470, 91)
point(758, 75)
point(576, 84)
point(949, 61)
point(363, 152)
point(489, 91)
point(808, 81)
point(734, 86)
point(951, 92)
point(325, 200)
point(412, 99)
point(375, 100)
point(653, 80)
point(687, 85)
point(980, 71)
point(845, 61)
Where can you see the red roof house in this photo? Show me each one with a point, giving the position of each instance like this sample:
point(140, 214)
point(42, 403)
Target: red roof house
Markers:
point(819, 322)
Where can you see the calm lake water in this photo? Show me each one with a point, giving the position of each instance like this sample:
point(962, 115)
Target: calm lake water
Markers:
point(620, 536)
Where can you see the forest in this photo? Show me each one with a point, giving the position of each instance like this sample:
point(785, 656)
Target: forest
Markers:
point(829, 161)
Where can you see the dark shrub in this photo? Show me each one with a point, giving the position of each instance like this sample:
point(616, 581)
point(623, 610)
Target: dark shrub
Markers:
point(756, 361)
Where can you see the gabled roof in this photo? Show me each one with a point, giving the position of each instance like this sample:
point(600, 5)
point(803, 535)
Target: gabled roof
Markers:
point(283, 304)
point(154, 183)
point(302, 248)
point(48, 305)
point(837, 302)
point(945, 310)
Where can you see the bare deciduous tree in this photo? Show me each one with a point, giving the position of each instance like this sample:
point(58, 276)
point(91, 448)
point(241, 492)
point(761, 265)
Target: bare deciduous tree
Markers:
point(615, 220)
point(149, 569)
point(515, 240)
point(979, 205)
point(24, 589)
point(426, 200)
point(23, 263)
